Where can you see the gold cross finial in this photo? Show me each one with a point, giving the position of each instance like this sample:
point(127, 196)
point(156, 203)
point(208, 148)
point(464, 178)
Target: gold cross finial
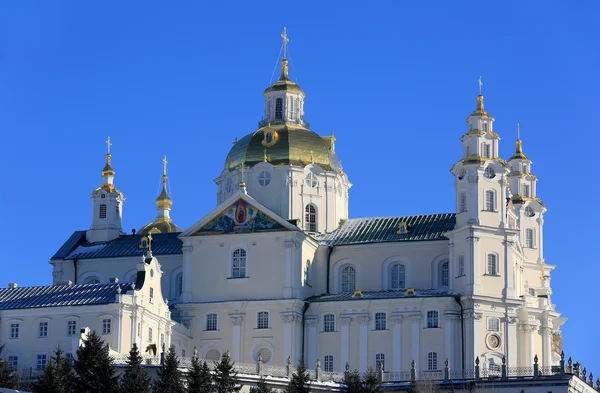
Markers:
point(108, 144)
point(265, 155)
point(165, 162)
point(480, 84)
point(285, 41)
point(150, 242)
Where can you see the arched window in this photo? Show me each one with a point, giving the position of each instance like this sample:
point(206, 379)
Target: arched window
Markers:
point(493, 366)
point(228, 185)
point(311, 180)
point(490, 201)
point(328, 364)
point(348, 283)
point(433, 319)
point(92, 280)
point(432, 361)
point(398, 276)
point(238, 263)
point(213, 354)
point(179, 284)
point(529, 243)
point(380, 361)
point(489, 173)
point(103, 210)
point(492, 264)
point(310, 218)
point(461, 265)
point(444, 274)
point(463, 202)
point(279, 108)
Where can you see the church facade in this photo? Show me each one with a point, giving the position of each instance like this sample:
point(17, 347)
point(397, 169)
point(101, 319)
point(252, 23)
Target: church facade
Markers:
point(278, 270)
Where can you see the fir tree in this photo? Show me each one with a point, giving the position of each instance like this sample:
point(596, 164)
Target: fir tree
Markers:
point(57, 376)
point(198, 378)
point(8, 378)
point(94, 368)
point(299, 382)
point(353, 382)
point(225, 378)
point(169, 376)
point(261, 387)
point(371, 382)
point(136, 378)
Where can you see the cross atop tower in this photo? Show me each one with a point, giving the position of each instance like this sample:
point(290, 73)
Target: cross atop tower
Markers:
point(480, 84)
point(165, 162)
point(108, 145)
point(518, 131)
point(285, 41)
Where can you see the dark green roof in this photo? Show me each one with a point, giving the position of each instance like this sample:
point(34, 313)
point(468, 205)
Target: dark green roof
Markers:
point(384, 229)
point(374, 295)
point(60, 295)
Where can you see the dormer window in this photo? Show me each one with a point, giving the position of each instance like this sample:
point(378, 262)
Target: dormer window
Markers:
point(279, 108)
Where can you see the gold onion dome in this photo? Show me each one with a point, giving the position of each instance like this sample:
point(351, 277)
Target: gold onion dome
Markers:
point(108, 169)
point(284, 83)
point(480, 111)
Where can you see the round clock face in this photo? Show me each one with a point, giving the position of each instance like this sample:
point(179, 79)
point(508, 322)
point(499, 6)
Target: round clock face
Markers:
point(493, 341)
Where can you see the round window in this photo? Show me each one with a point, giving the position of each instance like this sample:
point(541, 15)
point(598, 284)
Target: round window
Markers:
point(264, 354)
point(311, 180)
point(529, 212)
point(264, 178)
point(228, 185)
point(489, 173)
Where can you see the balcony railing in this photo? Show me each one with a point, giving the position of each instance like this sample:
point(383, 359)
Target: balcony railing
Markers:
point(298, 122)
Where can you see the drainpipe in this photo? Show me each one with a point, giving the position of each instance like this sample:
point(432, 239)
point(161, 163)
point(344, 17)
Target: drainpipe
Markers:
point(328, 266)
point(462, 329)
point(306, 305)
point(75, 270)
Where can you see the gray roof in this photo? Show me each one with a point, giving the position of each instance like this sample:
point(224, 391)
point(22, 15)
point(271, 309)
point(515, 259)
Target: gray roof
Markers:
point(344, 296)
point(383, 229)
point(123, 246)
point(60, 295)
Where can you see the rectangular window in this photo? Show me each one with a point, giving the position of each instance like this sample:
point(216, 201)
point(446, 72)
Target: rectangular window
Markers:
point(529, 238)
point(485, 127)
point(149, 334)
point(329, 323)
point(279, 108)
point(102, 211)
point(432, 361)
point(461, 265)
point(106, 326)
point(328, 364)
point(151, 295)
point(493, 324)
point(71, 328)
point(380, 361)
point(380, 321)
point(485, 150)
point(262, 320)
point(492, 267)
point(526, 192)
point(433, 320)
point(490, 203)
point(211, 321)
point(14, 330)
point(13, 362)
point(43, 329)
point(42, 360)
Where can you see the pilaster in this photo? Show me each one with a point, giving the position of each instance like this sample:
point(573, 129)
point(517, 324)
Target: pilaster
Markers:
point(396, 321)
point(416, 338)
point(237, 320)
point(364, 342)
point(345, 335)
point(187, 273)
point(311, 324)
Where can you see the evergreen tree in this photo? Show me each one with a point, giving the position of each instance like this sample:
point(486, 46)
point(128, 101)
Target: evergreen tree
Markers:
point(299, 382)
point(353, 382)
point(94, 368)
point(136, 378)
point(169, 376)
point(8, 378)
point(57, 376)
point(370, 382)
point(261, 387)
point(198, 378)
point(225, 378)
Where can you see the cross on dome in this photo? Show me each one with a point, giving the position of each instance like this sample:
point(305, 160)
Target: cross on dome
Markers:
point(479, 81)
point(285, 41)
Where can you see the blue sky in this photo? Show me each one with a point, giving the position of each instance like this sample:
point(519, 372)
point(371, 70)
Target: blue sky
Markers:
point(394, 81)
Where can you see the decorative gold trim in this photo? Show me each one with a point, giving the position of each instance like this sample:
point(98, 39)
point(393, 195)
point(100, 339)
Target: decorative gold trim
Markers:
point(274, 138)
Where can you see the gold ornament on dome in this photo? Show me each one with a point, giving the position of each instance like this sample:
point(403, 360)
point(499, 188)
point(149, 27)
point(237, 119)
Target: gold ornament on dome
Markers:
point(402, 228)
point(270, 136)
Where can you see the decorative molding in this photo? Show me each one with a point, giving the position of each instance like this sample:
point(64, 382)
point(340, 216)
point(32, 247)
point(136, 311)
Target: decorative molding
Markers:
point(237, 319)
point(291, 318)
point(416, 317)
point(289, 243)
point(311, 320)
point(363, 319)
point(187, 249)
point(345, 321)
point(396, 319)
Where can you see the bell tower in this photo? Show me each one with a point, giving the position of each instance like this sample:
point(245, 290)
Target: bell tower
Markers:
point(107, 206)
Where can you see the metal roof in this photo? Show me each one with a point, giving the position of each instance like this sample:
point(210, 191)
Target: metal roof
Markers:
point(384, 229)
point(344, 296)
point(123, 246)
point(60, 295)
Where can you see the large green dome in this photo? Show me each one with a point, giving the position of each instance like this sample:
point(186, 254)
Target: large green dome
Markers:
point(289, 145)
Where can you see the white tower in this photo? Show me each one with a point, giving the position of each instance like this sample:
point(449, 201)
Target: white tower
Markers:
point(107, 206)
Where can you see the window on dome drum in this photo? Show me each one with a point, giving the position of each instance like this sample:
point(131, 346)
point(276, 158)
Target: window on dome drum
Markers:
point(279, 108)
point(213, 354)
point(149, 334)
point(238, 263)
point(380, 321)
point(43, 330)
point(463, 202)
point(71, 328)
point(103, 211)
point(268, 109)
point(117, 210)
point(493, 324)
point(444, 274)
point(310, 218)
point(42, 361)
point(398, 276)
point(461, 265)
point(262, 320)
point(311, 180)
point(492, 264)
point(490, 201)
point(211, 321)
point(380, 361)
point(348, 279)
point(106, 326)
point(432, 361)
point(14, 330)
point(526, 190)
point(489, 173)
point(329, 323)
point(433, 319)
point(292, 108)
point(529, 211)
point(139, 329)
point(13, 362)
point(529, 238)
point(264, 354)
point(264, 178)
point(485, 150)
point(328, 364)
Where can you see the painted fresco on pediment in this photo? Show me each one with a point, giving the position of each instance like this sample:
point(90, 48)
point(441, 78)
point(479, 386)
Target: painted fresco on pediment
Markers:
point(241, 217)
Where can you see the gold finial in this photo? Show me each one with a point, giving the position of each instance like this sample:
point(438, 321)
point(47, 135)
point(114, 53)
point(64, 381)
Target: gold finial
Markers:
point(164, 200)
point(150, 243)
point(265, 155)
point(242, 183)
point(284, 62)
point(108, 170)
point(108, 145)
point(519, 143)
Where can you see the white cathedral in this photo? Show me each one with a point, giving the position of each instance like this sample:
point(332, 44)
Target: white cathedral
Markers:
point(278, 270)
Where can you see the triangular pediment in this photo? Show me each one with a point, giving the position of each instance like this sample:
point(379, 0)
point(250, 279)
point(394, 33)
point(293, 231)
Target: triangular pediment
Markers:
point(239, 214)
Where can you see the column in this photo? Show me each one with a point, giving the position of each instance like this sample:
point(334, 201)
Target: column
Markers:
point(474, 262)
point(364, 343)
point(449, 323)
point(511, 343)
point(522, 344)
point(540, 244)
point(345, 323)
point(287, 290)
point(509, 270)
point(396, 321)
point(473, 198)
point(187, 272)
point(546, 331)
point(116, 328)
point(311, 325)
point(237, 319)
point(416, 338)
point(451, 274)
